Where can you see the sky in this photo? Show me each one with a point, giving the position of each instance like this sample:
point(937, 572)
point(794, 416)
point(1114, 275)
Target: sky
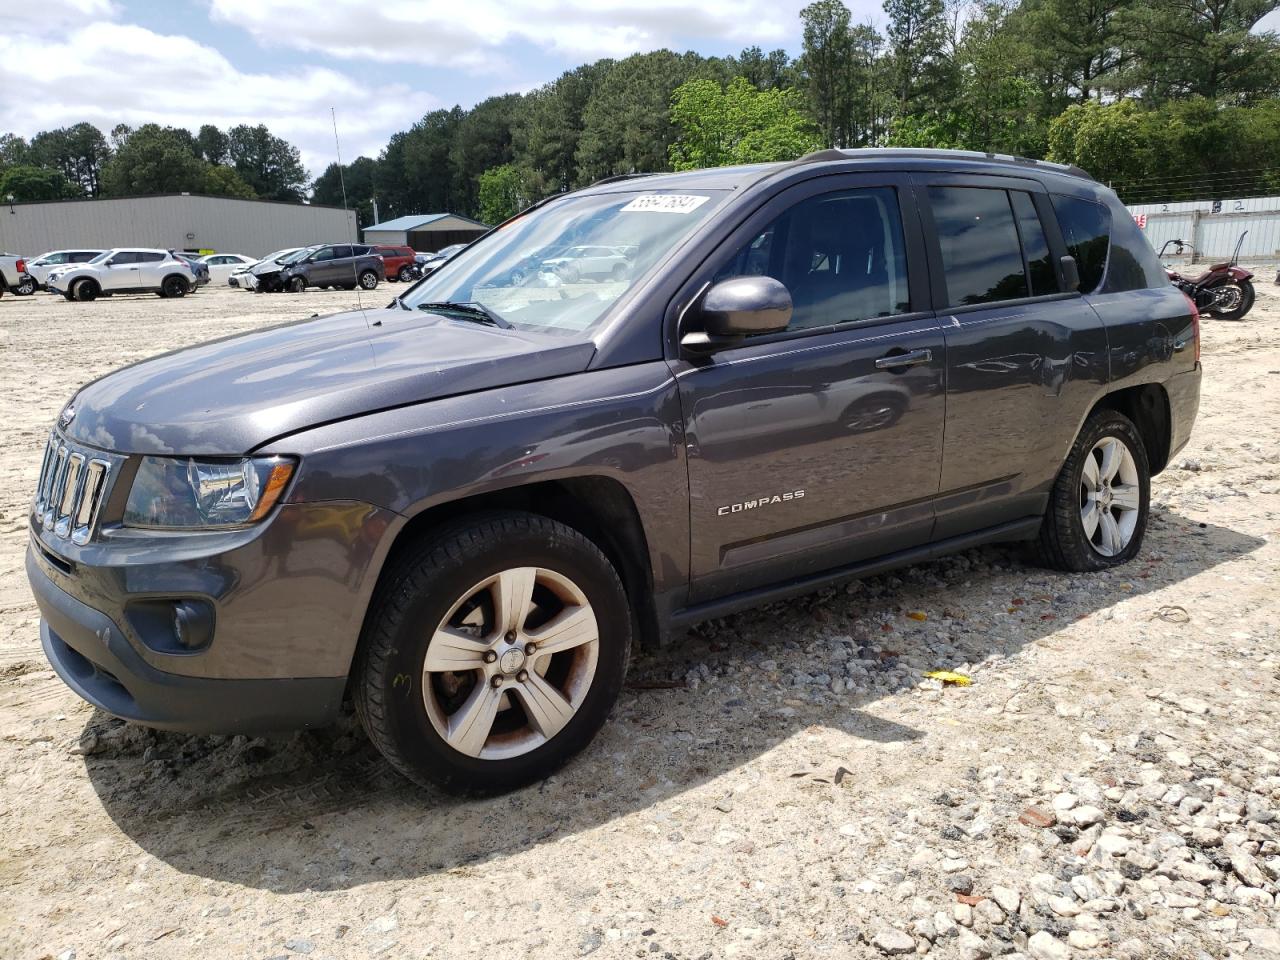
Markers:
point(381, 64)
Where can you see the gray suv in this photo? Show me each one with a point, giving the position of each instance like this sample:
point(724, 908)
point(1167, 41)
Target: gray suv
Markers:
point(463, 510)
point(343, 265)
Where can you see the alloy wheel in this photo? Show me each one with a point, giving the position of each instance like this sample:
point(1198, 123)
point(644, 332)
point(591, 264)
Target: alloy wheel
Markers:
point(1110, 496)
point(511, 663)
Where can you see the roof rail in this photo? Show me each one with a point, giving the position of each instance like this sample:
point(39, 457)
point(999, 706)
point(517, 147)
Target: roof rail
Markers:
point(834, 153)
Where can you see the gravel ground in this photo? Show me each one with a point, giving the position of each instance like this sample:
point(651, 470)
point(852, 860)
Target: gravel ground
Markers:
point(783, 783)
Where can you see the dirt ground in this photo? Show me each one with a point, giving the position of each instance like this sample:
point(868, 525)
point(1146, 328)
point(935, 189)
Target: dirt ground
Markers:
point(1106, 787)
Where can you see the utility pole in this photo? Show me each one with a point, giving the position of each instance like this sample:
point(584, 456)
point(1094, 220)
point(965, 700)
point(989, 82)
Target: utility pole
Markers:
point(375, 210)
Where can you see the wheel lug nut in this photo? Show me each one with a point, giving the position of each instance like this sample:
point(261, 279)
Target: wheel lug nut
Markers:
point(530, 649)
point(522, 676)
point(511, 636)
point(497, 682)
point(490, 656)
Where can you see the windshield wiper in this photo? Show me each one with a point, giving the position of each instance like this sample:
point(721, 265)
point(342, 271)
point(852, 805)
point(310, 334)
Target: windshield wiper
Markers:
point(471, 311)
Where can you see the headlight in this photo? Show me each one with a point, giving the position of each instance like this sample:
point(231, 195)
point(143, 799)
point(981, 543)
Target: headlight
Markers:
point(188, 493)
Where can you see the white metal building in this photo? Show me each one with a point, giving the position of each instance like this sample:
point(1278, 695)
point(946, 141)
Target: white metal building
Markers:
point(425, 232)
point(1213, 227)
point(173, 222)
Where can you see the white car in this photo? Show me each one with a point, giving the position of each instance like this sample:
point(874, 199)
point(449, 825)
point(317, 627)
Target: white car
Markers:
point(243, 276)
point(596, 263)
point(46, 263)
point(124, 270)
point(223, 265)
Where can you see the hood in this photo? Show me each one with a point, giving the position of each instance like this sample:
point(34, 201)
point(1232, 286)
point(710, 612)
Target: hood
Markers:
point(266, 266)
point(227, 397)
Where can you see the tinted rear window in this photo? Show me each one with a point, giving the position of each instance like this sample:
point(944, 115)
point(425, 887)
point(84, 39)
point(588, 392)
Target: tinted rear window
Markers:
point(1133, 264)
point(1086, 226)
point(1034, 245)
point(981, 255)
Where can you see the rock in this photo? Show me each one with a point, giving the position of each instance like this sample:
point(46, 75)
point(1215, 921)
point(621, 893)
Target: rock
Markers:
point(1064, 906)
point(1197, 872)
point(1264, 939)
point(963, 914)
point(1192, 705)
point(960, 883)
point(1037, 817)
point(989, 911)
point(1086, 887)
point(1083, 939)
point(1008, 899)
point(1045, 946)
point(1086, 816)
point(299, 946)
point(945, 925)
point(1064, 801)
point(383, 924)
point(953, 865)
point(924, 927)
point(891, 941)
point(1246, 868)
point(1180, 758)
point(972, 946)
point(1113, 844)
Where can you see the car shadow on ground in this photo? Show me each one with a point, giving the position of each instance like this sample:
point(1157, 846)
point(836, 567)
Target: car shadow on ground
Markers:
point(322, 811)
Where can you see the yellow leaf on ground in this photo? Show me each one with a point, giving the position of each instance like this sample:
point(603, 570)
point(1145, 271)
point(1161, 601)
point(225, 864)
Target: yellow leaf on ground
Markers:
point(950, 676)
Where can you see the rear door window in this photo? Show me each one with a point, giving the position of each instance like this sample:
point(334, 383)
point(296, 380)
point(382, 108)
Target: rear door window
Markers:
point(1035, 248)
point(981, 253)
point(1086, 227)
point(841, 255)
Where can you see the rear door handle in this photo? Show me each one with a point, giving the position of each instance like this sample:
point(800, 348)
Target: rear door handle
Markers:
point(905, 358)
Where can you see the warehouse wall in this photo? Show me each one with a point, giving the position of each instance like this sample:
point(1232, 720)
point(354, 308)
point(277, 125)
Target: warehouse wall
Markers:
point(252, 227)
point(1213, 227)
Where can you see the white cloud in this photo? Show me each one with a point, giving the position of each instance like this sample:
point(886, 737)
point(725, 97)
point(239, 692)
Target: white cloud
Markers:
point(470, 35)
point(109, 73)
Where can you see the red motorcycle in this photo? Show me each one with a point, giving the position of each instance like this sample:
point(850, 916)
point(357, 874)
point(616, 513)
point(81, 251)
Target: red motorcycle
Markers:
point(1224, 291)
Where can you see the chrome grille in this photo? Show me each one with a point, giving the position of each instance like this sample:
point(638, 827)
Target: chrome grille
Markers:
point(70, 491)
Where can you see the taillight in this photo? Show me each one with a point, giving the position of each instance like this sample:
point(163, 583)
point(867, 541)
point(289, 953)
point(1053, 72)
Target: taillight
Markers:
point(1195, 323)
point(22, 266)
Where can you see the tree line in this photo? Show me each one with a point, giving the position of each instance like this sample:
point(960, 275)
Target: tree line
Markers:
point(1164, 99)
point(80, 161)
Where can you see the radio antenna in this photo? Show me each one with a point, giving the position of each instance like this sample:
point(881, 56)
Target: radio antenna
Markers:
point(342, 182)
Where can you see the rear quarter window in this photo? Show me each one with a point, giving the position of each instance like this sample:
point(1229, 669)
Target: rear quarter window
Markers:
point(1133, 265)
point(1086, 228)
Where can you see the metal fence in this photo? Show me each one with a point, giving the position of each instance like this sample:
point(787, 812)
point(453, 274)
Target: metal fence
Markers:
point(1213, 227)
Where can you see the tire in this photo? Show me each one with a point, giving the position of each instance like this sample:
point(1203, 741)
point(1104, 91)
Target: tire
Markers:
point(85, 290)
point(1067, 541)
point(174, 286)
point(1245, 305)
point(26, 288)
point(297, 285)
point(368, 280)
point(404, 275)
point(454, 578)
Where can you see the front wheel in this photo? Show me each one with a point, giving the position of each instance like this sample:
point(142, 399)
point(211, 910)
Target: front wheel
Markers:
point(1097, 513)
point(85, 290)
point(297, 285)
point(405, 275)
point(1232, 300)
point(493, 653)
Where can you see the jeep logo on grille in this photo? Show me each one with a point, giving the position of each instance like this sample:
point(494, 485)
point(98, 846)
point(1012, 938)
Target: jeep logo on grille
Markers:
point(768, 500)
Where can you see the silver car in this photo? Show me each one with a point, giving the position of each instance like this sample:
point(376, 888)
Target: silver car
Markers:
point(46, 263)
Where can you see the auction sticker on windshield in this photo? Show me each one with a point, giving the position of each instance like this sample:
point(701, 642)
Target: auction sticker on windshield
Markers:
point(665, 203)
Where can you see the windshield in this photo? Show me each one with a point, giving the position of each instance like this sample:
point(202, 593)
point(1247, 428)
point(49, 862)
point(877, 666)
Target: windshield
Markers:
point(558, 269)
point(296, 255)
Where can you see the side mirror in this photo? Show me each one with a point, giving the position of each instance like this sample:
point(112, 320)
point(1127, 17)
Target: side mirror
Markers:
point(738, 308)
point(1070, 274)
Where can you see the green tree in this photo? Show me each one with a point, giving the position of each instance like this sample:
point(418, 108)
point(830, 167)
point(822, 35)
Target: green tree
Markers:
point(78, 152)
point(271, 166)
point(549, 127)
point(504, 192)
point(155, 159)
point(220, 181)
point(359, 178)
point(917, 33)
point(483, 140)
point(765, 71)
point(25, 183)
point(825, 66)
point(738, 124)
point(212, 144)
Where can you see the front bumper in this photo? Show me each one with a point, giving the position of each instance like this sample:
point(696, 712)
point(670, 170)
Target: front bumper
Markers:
point(92, 655)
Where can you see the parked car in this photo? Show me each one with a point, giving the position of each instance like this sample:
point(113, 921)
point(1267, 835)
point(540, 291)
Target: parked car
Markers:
point(246, 279)
point(222, 265)
point(430, 262)
point(43, 265)
point(464, 510)
point(267, 276)
point(343, 265)
point(14, 277)
point(124, 270)
point(589, 263)
point(397, 261)
point(198, 267)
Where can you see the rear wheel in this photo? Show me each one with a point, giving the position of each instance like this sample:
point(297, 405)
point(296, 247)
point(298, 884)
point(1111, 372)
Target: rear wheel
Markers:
point(173, 286)
point(1098, 507)
point(26, 288)
point(85, 290)
point(1233, 300)
point(368, 280)
point(493, 653)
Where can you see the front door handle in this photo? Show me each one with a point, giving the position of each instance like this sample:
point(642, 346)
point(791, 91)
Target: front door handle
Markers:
point(904, 358)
